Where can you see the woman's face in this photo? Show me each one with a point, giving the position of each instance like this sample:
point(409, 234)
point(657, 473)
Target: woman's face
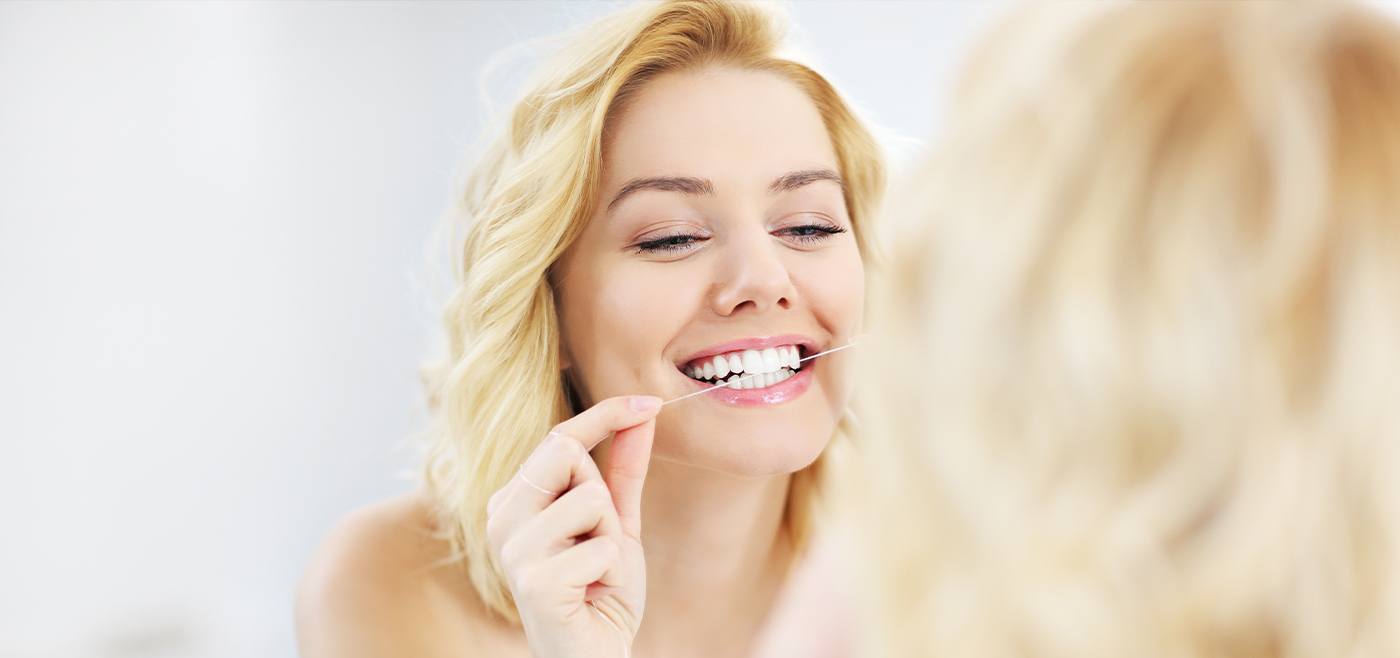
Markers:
point(720, 239)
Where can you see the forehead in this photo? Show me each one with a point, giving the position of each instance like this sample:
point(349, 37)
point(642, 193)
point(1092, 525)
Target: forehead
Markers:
point(735, 127)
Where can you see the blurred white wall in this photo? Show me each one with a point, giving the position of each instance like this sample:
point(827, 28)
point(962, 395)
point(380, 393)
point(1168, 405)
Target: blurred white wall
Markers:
point(213, 295)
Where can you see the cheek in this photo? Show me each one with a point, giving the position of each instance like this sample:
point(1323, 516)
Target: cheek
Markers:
point(650, 299)
point(836, 292)
point(629, 321)
point(835, 288)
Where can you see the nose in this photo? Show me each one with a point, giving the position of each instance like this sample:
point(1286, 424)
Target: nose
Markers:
point(752, 276)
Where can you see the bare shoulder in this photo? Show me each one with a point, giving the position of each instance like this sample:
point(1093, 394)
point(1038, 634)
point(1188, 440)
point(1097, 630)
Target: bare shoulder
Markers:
point(381, 585)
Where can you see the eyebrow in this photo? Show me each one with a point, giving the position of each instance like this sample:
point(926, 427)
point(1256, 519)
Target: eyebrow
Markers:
point(702, 187)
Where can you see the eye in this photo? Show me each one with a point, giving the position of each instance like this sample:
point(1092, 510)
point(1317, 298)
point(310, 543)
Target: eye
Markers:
point(669, 244)
point(811, 233)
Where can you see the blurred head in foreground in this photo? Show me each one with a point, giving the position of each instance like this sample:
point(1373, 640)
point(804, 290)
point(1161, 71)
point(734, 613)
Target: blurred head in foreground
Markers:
point(1137, 390)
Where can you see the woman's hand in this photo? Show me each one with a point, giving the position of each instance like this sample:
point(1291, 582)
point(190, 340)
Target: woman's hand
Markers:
point(569, 538)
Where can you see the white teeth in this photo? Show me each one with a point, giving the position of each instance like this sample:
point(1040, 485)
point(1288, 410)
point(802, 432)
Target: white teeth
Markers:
point(753, 361)
point(755, 380)
point(735, 363)
point(770, 360)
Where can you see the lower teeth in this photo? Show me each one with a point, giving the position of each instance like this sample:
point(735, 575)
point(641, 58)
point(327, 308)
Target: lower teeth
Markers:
point(759, 380)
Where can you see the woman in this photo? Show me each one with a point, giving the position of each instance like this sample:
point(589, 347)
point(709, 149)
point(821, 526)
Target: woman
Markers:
point(1155, 265)
point(672, 205)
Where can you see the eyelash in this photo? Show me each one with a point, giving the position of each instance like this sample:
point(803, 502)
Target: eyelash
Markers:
point(676, 243)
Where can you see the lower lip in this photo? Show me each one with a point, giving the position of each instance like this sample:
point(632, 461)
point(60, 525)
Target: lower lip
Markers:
point(784, 391)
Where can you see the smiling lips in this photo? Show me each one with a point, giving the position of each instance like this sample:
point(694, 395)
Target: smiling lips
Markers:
point(746, 369)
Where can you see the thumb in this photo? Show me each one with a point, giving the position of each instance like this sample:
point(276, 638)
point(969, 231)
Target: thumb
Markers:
point(628, 459)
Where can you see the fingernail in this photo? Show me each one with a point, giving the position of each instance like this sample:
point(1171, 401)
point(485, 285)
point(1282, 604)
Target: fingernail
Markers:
point(645, 402)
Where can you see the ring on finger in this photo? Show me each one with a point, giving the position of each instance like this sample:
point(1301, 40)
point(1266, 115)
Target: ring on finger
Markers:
point(536, 487)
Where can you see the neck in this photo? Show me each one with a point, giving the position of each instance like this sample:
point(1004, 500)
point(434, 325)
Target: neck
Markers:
point(717, 553)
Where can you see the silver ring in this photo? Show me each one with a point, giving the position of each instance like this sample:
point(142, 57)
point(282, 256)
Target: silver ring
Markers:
point(534, 486)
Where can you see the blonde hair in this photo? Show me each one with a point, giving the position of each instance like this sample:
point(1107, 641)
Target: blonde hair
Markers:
point(1139, 362)
point(500, 389)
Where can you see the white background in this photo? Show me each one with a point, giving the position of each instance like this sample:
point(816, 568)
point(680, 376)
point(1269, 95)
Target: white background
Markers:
point(214, 290)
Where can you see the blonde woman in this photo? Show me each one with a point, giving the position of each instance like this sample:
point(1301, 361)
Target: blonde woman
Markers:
point(672, 204)
point(1137, 376)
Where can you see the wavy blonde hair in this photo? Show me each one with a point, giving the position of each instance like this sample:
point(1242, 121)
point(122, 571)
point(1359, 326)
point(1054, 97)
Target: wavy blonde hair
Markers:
point(500, 389)
point(1140, 358)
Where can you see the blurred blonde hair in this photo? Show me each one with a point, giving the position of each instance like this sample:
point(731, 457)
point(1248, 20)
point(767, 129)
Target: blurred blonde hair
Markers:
point(499, 388)
point(1137, 383)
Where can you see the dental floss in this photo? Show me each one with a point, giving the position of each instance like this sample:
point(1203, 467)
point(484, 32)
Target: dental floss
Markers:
point(626, 646)
point(750, 376)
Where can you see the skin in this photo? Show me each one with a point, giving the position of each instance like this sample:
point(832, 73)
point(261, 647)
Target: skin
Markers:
point(814, 616)
point(710, 514)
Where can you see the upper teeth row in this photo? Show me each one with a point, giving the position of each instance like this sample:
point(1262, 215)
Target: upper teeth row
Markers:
point(749, 361)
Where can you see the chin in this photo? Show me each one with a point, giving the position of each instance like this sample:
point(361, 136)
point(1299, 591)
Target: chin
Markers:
point(752, 450)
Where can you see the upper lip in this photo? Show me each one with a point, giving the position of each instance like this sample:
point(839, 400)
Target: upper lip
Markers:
point(808, 344)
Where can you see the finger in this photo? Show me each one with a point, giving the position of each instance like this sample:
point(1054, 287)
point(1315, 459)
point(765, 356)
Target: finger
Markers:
point(586, 471)
point(586, 509)
point(601, 420)
point(522, 497)
point(561, 460)
point(629, 456)
point(552, 468)
point(514, 484)
point(584, 563)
